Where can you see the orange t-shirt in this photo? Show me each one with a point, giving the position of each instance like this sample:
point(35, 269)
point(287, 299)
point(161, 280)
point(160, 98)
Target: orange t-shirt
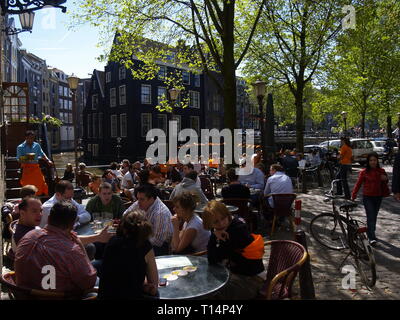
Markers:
point(346, 153)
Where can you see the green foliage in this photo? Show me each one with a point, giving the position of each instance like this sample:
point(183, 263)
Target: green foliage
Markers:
point(53, 121)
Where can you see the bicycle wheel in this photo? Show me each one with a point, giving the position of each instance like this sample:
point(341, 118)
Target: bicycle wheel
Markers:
point(365, 260)
point(325, 228)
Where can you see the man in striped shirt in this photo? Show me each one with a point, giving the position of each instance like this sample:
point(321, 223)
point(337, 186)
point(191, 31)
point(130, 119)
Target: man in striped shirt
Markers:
point(158, 214)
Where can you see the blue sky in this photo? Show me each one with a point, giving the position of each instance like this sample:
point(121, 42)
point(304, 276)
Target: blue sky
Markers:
point(71, 51)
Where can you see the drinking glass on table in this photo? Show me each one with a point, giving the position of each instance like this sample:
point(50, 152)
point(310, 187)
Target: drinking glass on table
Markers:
point(108, 216)
point(97, 216)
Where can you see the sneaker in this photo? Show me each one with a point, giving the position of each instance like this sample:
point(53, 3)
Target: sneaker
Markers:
point(372, 242)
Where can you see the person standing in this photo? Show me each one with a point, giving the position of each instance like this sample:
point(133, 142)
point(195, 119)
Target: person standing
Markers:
point(31, 173)
point(375, 182)
point(396, 177)
point(345, 160)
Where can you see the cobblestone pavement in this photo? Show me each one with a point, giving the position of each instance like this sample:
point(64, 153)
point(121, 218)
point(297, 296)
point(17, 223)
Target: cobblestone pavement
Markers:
point(325, 263)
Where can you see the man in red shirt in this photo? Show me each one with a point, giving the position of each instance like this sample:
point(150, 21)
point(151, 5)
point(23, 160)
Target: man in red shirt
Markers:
point(56, 246)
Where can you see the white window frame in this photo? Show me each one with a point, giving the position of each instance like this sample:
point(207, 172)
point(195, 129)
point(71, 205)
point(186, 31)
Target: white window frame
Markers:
point(183, 78)
point(113, 97)
point(122, 125)
point(165, 120)
point(191, 99)
point(108, 76)
point(141, 93)
point(122, 98)
point(158, 93)
point(100, 119)
point(142, 116)
point(162, 75)
point(122, 73)
point(197, 77)
point(95, 150)
point(114, 126)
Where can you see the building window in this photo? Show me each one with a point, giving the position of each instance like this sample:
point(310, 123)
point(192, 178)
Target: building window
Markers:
point(185, 77)
point(122, 124)
point(122, 95)
point(162, 122)
point(146, 123)
point(89, 125)
point(194, 101)
point(146, 94)
point(89, 147)
point(100, 125)
point(60, 91)
point(114, 128)
point(122, 73)
point(113, 97)
point(216, 102)
point(178, 120)
point(94, 123)
point(108, 77)
point(95, 101)
point(70, 118)
point(161, 94)
point(195, 123)
point(197, 80)
point(162, 72)
point(95, 149)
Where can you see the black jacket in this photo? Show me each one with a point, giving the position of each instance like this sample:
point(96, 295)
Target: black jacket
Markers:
point(239, 238)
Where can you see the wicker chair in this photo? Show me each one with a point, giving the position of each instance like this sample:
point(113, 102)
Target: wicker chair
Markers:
point(244, 211)
point(20, 293)
point(286, 259)
point(207, 187)
point(282, 207)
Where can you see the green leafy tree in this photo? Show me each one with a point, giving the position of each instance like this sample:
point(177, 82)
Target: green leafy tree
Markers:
point(206, 30)
point(291, 44)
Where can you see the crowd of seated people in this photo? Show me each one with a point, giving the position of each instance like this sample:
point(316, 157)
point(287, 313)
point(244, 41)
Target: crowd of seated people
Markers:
point(147, 228)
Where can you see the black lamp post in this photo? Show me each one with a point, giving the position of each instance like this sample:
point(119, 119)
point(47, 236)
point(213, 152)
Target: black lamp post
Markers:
point(173, 96)
point(344, 116)
point(259, 91)
point(73, 82)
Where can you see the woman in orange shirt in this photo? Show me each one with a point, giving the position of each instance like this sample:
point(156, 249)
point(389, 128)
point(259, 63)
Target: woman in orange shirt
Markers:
point(345, 160)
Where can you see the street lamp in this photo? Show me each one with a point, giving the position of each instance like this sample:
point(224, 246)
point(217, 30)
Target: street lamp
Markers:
point(26, 19)
point(344, 116)
point(73, 82)
point(118, 146)
point(259, 91)
point(173, 96)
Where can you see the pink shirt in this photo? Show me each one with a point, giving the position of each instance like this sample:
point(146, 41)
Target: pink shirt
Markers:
point(53, 246)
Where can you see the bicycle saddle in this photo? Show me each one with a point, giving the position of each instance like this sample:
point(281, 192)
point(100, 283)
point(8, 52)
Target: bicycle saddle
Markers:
point(348, 205)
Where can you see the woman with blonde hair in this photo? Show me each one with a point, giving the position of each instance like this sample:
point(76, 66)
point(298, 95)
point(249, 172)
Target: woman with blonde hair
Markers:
point(193, 237)
point(231, 241)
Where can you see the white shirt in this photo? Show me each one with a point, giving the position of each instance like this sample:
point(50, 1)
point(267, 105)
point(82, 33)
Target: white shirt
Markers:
point(83, 215)
point(160, 217)
point(278, 183)
point(127, 177)
point(200, 242)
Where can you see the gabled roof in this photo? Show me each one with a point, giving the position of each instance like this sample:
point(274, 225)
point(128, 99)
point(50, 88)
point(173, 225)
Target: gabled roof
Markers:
point(101, 80)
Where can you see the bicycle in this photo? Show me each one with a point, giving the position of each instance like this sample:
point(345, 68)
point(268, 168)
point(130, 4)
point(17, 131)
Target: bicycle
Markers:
point(337, 232)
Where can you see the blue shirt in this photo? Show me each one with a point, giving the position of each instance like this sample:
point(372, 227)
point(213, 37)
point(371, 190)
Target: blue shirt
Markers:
point(255, 179)
point(24, 149)
point(278, 183)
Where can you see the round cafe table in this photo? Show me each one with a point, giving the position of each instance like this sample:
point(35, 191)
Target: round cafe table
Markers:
point(231, 209)
point(202, 283)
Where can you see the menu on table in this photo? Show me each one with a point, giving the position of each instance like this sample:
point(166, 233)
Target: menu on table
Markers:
point(172, 262)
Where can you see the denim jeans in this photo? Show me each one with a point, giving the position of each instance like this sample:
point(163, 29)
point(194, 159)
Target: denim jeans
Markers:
point(371, 205)
point(343, 185)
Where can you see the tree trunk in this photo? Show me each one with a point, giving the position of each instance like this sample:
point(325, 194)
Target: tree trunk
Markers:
point(363, 124)
point(229, 68)
point(389, 126)
point(299, 118)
